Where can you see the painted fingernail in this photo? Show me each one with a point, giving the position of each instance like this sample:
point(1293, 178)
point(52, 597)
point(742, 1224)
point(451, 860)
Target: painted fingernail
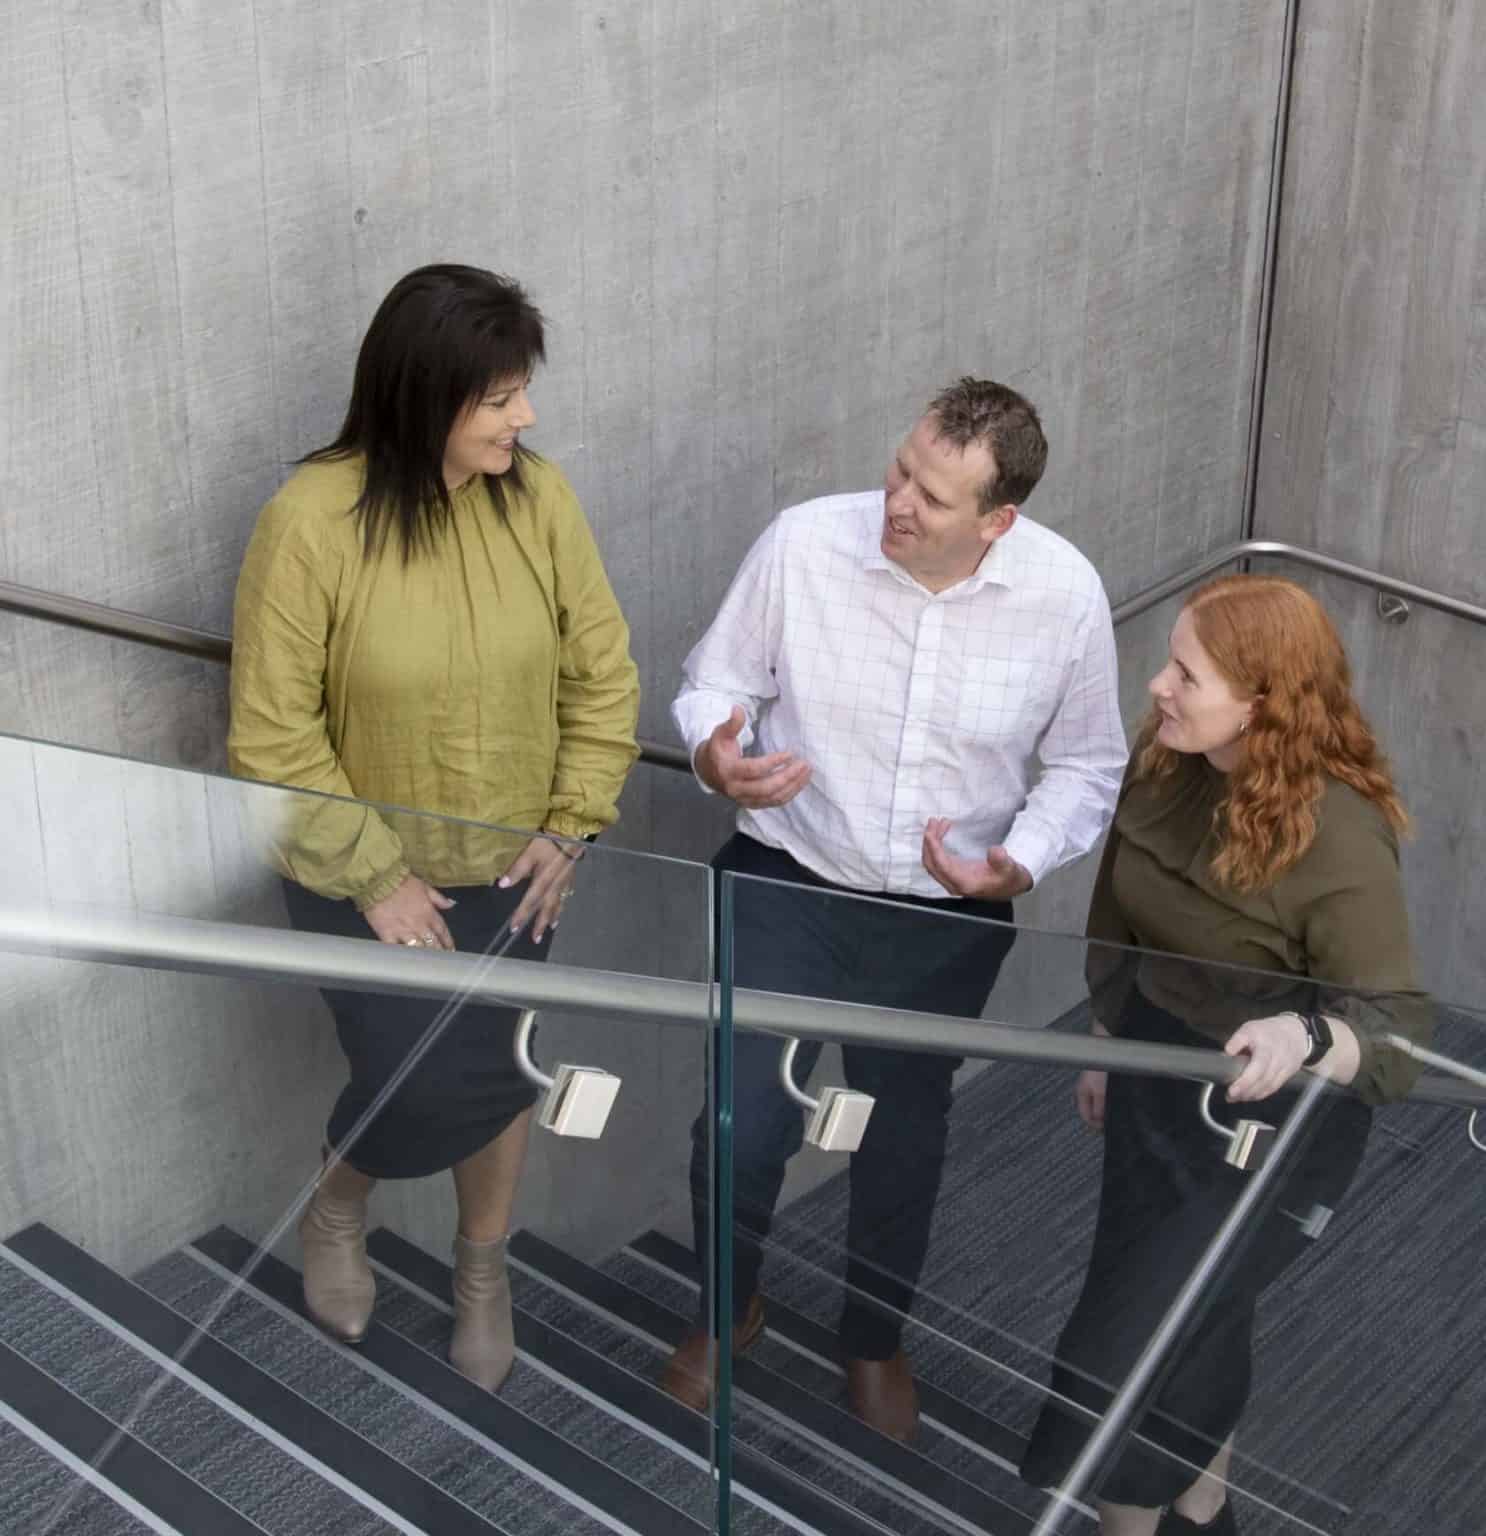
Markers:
point(503, 883)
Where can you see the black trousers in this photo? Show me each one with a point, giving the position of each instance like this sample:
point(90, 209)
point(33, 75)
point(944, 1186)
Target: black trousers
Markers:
point(1165, 1192)
point(808, 938)
point(467, 1089)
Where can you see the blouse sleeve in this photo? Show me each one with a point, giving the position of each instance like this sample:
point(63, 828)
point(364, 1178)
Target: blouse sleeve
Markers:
point(1348, 905)
point(1108, 971)
point(598, 685)
point(280, 634)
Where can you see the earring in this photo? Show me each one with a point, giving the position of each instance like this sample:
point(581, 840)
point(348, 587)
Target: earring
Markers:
point(1243, 727)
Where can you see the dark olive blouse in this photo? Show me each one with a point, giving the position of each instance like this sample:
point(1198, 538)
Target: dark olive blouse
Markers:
point(1331, 933)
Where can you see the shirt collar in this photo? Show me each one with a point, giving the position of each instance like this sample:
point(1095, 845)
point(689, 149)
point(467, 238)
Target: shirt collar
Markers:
point(997, 568)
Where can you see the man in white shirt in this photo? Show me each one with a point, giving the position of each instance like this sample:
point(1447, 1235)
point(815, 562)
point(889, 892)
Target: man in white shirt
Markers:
point(883, 676)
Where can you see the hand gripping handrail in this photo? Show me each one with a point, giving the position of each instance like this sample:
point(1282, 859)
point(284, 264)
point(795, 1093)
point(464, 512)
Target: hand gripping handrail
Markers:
point(238, 950)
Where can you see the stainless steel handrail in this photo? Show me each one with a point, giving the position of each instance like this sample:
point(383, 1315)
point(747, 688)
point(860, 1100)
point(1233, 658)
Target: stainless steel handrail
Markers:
point(1274, 550)
point(252, 953)
point(203, 644)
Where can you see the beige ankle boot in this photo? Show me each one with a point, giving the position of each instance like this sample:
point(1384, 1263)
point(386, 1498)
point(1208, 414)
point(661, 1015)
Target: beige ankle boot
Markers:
point(484, 1345)
point(339, 1291)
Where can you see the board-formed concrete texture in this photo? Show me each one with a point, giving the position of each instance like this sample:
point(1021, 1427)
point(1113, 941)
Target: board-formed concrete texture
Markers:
point(1374, 443)
point(764, 233)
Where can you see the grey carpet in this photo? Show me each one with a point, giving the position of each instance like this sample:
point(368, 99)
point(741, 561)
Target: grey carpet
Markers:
point(265, 1484)
point(38, 1492)
point(1371, 1362)
point(332, 1379)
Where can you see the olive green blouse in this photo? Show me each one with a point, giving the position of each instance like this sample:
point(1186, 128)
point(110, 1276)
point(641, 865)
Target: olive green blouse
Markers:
point(489, 679)
point(1336, 918)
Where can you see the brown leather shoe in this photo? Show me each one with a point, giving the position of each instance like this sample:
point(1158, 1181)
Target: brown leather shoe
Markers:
point(687, 1376)
point(882, 1395)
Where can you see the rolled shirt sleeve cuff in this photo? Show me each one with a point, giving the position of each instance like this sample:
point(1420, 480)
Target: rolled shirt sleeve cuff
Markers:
point(565, 824)
point(382, 887)
point(1032, 848)
point(697, 714)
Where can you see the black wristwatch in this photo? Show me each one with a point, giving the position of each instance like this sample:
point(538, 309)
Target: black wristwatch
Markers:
point(1318, 1032)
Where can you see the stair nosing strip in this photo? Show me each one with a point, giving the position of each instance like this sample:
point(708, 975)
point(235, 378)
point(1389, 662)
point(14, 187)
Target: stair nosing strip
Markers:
point(744, 1368)
point(220, 1399)
point(790, 1336)
point(123, 1442)
point(446, 1416)
point(753, 1469)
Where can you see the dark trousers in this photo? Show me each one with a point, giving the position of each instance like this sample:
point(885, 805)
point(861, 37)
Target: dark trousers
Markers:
point(1166, 1190)
point(808, 938)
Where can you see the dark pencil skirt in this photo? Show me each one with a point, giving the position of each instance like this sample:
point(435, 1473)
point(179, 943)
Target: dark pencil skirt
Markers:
point(1166, 1190)
point(466, 1090)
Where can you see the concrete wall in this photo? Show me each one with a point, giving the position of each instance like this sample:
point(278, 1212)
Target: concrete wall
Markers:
point(1374, 443)
point(764, 235)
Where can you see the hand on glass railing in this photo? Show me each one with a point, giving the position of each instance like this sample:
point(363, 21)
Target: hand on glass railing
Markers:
point(755, 783)
point(997, 877)
point(549, 865)
point(410, 915)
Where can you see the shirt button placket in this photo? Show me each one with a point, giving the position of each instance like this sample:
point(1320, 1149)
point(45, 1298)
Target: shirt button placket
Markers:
point(905, 835)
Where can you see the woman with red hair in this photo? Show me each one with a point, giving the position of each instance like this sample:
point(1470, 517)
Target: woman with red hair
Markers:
point(1255, 852)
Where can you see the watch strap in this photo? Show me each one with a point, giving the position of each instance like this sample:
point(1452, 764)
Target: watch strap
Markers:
point(1318, 1032)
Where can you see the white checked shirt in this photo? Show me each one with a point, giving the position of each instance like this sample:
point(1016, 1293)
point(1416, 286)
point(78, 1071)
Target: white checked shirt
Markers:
point(909, 704)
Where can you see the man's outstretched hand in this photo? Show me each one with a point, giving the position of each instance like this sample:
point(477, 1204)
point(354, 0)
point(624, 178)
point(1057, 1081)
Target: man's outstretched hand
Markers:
point(753, 782)
point(997, 877)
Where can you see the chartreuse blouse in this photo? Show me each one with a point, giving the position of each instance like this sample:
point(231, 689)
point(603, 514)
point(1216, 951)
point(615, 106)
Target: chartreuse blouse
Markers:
point(489, 680)
point(1330, 935)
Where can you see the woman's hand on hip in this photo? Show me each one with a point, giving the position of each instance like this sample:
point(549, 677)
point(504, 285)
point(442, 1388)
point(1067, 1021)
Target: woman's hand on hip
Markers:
point(411, 916)
point(1276, 1048)
point(550, 867)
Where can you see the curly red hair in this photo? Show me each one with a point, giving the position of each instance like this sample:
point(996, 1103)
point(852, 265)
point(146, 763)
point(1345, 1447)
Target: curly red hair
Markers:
point(1275, 644)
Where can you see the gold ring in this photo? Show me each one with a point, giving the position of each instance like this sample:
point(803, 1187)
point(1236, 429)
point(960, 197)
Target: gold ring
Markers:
point(428, 938)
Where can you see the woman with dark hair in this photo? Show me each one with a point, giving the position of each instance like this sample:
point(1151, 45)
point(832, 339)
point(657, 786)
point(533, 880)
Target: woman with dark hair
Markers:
point(423, 621)
point(1258, 828)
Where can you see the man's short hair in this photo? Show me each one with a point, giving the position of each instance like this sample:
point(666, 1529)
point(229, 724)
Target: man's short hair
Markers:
point(978, 411)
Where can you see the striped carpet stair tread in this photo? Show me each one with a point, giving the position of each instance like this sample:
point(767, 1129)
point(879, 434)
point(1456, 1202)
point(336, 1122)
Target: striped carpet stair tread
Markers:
point(50, 1444)
point(621, 1414)
point(774, 1420)
point(537, 1427)
point(954, 1434)
point(202, 1436)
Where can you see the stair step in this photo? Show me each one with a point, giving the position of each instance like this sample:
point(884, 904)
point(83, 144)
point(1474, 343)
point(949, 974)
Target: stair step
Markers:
point(766, 1503)
point(48, 1317)
point(806, 1435)
point(65, 1468)
point(958, 1436)
point(501, 1459)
